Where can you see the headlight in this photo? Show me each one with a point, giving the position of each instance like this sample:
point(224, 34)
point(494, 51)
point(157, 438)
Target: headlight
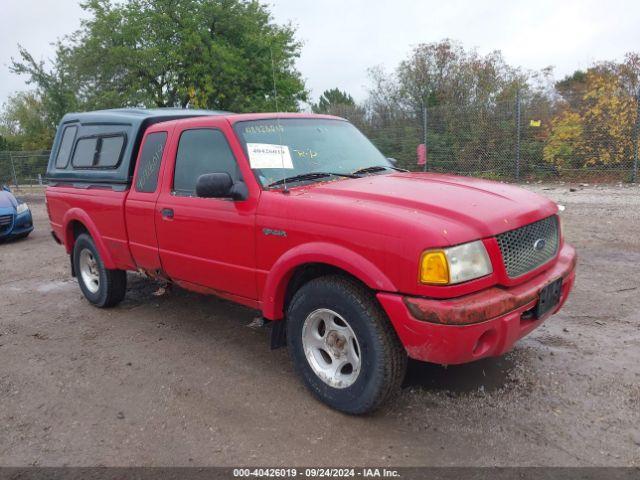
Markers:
point(561, 209)
point(455, 265)
point(21, 208)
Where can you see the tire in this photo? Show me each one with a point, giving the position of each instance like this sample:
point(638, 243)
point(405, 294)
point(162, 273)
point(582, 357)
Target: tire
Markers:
point(103, 288)
point(356, 332)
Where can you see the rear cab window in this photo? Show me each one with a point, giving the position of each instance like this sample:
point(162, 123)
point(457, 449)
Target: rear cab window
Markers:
point(149, 163)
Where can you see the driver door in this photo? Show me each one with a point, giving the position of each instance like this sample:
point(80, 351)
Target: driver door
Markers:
point(206, 242)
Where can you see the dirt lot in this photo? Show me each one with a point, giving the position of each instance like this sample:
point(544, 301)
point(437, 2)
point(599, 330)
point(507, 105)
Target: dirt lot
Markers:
point(181, 379)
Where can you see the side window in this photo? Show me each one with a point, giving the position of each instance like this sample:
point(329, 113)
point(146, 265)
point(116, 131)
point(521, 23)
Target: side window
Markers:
point(109, 151)
point(85, 152)
point(66, 145)
point(150, 159)
point(98, 152)
point(202, 151)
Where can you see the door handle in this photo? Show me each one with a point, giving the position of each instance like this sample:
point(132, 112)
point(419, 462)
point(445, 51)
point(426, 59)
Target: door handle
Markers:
point(167, 212)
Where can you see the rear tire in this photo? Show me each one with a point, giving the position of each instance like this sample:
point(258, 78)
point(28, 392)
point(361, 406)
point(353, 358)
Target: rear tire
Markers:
point(103, 287)
point(343, 346)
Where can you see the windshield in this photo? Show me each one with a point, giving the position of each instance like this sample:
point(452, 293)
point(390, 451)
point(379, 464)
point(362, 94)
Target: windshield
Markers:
point(288, 147)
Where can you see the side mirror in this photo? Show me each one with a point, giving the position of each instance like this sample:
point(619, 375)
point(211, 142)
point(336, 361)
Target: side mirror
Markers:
point(392, 161)
point(220, 185)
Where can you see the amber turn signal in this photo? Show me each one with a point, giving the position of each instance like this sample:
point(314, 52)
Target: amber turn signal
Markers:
point(434, 268)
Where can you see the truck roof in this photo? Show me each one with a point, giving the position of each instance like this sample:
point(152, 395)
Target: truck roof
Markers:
point(138, 114)
point(122, 129)
point(127, 125)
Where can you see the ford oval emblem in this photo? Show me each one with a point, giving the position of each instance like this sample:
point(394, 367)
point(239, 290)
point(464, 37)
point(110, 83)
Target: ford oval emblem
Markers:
point(539, 244)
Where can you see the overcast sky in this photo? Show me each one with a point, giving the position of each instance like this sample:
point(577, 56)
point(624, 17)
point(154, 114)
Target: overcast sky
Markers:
point(343, 38)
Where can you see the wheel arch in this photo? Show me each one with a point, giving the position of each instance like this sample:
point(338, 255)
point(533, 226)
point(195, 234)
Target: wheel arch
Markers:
point(303, 263)
point(76, 222)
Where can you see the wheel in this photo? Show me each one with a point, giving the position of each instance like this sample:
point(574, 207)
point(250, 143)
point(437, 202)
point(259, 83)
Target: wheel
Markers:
point(343, 346)
point(101, 286)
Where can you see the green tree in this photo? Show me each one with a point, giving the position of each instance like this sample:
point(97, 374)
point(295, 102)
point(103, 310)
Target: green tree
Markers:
point(5, 143)
point(55, 90)
point(468, 96)
point(594, 125)
point(332, 100)
point(446, 73)
point(219, 54)
point(24, 124)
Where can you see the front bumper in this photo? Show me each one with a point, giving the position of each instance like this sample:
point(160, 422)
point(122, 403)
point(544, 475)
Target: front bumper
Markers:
point(22, 224)
point(483, 324)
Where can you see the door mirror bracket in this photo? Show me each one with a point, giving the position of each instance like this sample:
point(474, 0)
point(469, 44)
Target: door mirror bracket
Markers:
point(220, 185)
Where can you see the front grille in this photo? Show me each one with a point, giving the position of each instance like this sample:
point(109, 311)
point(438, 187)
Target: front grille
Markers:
point(5, 222)
point(528, 247)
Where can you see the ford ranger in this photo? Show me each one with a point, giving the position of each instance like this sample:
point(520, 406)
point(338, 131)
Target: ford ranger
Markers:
point(356, 264)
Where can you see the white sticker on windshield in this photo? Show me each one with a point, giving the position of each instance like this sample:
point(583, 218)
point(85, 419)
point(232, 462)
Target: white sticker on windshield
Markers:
point(266, 155)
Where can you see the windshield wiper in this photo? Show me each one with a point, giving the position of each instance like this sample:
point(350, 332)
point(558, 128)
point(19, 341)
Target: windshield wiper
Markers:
point(378, 168)
point(310, 176)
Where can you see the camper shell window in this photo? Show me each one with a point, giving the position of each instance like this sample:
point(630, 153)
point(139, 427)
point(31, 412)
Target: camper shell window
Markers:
point(101, 151)
point(101, 147)
point(64, 152)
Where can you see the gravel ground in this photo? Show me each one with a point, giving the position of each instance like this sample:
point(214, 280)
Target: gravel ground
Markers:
point(182, 380)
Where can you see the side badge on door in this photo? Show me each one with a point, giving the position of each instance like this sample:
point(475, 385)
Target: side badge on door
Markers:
point(275, 233)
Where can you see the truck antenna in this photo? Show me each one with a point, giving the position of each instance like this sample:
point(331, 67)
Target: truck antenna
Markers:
point(275, 96)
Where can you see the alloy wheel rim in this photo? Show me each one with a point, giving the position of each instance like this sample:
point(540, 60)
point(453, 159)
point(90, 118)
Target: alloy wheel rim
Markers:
point(89, 271)
point(331, 348)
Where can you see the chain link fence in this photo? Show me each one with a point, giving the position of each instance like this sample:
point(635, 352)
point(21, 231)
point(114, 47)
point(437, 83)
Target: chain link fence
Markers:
point(589, 138)
point(23, 170)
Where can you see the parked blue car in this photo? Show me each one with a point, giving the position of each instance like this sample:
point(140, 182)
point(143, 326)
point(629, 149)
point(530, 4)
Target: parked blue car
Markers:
point(15, 216)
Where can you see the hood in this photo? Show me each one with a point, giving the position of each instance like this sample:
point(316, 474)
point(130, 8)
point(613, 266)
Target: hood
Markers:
point(459, 209)
point(7, 200)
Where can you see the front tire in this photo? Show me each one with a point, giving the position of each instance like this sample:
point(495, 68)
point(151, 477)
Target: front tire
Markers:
point(103, 287)
point(343, 346)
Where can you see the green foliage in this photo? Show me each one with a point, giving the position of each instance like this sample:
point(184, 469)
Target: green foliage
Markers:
point(178, 53)
point(585, 121)
point(24, 124)
point(54, 94)
point(470, 101)
point(445, 73)
point(217, 54)
point(332, 100)
point(7, 142)
point(594, 125)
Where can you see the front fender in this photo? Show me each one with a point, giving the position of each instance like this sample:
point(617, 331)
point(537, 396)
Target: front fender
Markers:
point(273, 295)
point(77, 214)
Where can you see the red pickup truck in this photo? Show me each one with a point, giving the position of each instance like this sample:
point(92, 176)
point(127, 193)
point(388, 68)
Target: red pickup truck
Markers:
point(355, 263)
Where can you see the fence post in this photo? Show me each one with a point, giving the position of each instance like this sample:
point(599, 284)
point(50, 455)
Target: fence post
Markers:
point(13, 169)
point(424, 118)
point(636, 134)
point(518, 124)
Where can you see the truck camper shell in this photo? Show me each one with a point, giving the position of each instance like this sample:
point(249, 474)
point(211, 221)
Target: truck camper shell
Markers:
point(101, 147)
